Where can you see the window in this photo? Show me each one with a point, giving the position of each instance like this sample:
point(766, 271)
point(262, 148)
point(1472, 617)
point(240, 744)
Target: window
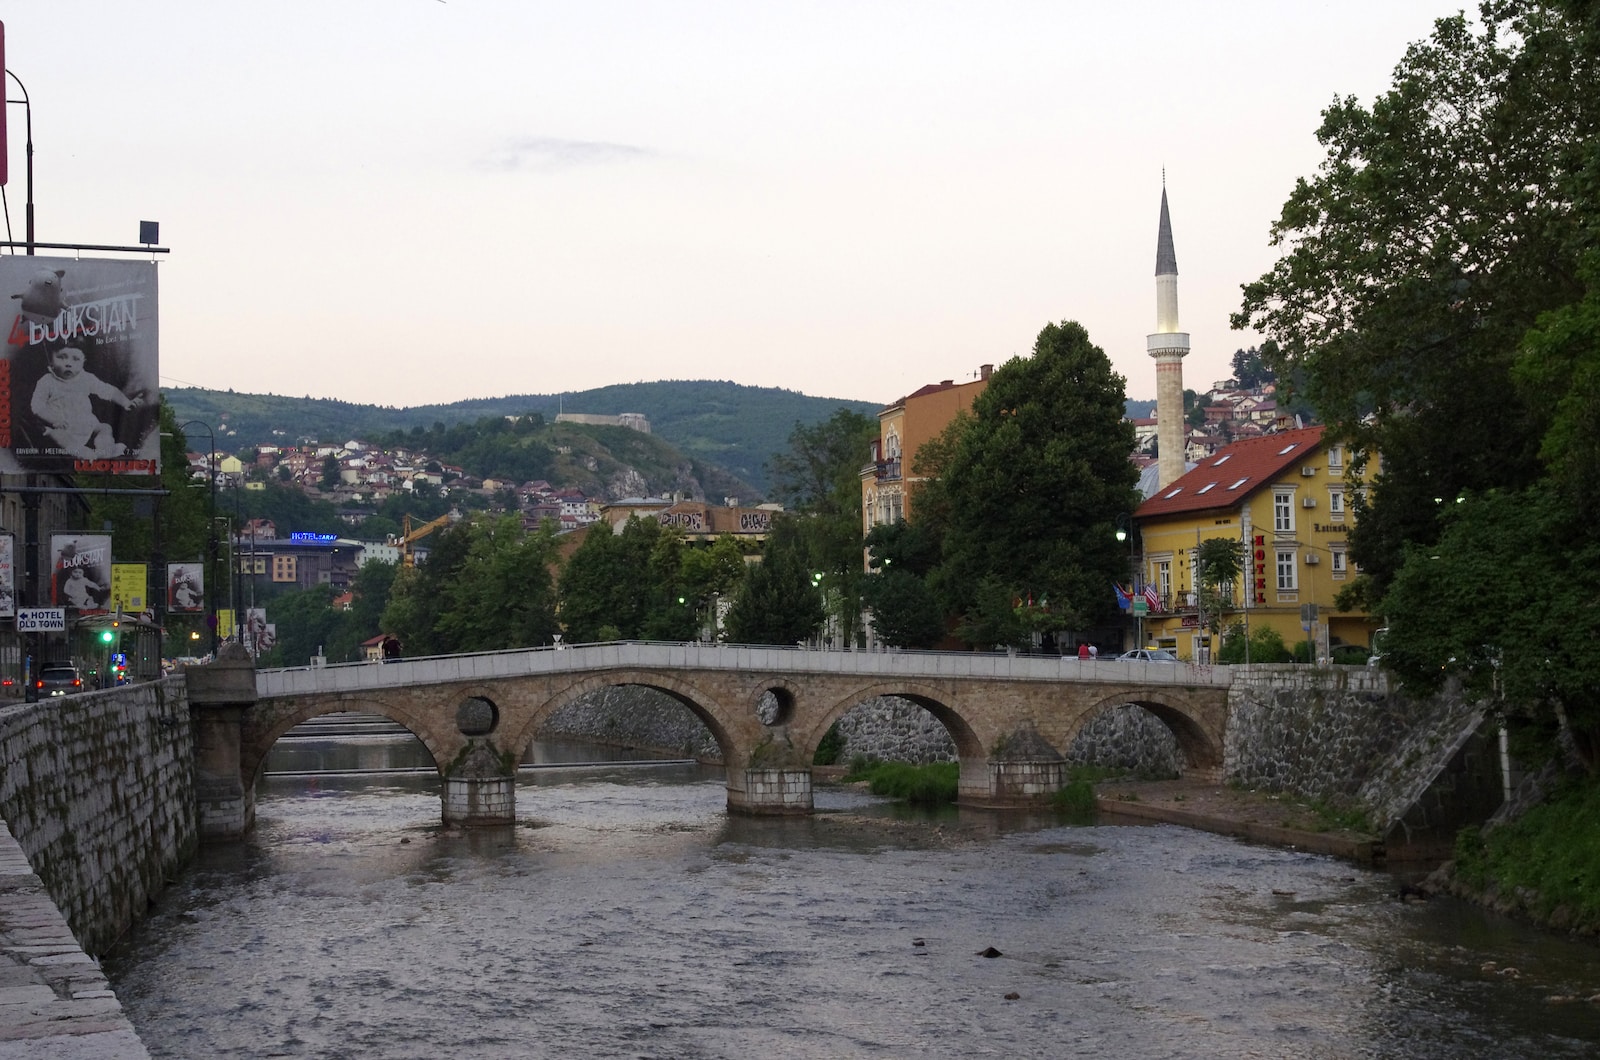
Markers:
point(1336, 505)
point(1335, 457)
point(1283, 511)
point(894, 446)
point(1164, 578)
point(1336, 562)
point(1287, 581)
point(283, 568)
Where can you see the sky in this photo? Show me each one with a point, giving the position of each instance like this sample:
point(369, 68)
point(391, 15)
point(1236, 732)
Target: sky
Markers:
point(408, 202)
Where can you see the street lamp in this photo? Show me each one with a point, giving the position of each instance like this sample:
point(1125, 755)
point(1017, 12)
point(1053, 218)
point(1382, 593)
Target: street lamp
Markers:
point(27, 109)
point(211, 530)
point(1125, 533)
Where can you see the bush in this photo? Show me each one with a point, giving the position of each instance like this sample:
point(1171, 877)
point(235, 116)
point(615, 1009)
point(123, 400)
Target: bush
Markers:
point(931, 785)
point(1351, 655)
point(1266, 646)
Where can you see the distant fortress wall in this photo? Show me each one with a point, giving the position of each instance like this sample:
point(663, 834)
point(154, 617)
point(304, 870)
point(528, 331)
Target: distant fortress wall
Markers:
point(632, 420)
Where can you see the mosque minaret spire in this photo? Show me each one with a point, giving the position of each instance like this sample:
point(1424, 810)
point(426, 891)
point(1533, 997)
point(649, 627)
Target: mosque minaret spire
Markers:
point(1169, 347)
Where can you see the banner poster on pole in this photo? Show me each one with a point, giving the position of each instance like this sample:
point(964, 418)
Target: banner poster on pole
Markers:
point(8, 584)
point(80, 572)
point(129, 583)
point(225, 623)
point(186, 587)
point(79, 383)
point(259, 636)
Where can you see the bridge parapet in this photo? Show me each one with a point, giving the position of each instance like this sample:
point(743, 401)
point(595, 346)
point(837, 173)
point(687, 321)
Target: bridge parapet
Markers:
point(445, 669)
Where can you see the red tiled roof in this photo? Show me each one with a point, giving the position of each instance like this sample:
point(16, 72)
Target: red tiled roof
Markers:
point(1225, 479)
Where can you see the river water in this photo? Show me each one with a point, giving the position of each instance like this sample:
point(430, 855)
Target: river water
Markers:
point(626, 915)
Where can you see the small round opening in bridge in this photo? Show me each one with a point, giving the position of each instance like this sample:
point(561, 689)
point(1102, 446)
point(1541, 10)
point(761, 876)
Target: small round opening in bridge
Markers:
point(775, 707)
point(477, 717)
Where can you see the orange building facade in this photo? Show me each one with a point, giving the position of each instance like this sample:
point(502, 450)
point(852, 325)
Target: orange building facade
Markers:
point(888, 481)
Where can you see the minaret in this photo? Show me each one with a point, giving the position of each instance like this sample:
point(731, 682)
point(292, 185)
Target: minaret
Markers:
point(1168, 346)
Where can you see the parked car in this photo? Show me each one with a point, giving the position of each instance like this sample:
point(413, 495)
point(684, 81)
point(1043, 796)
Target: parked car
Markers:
point(58, 681)
point(1155, 655)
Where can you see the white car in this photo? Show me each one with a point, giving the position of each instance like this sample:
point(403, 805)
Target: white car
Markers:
point(1155, 655)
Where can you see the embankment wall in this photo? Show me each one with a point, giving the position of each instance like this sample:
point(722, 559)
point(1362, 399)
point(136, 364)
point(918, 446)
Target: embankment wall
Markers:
point(98, 790)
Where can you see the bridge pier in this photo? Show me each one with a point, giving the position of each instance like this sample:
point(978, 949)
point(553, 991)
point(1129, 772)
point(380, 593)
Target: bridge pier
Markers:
point(219, 695)
point(1023, 770)
point(770, 792)
point(479, 786)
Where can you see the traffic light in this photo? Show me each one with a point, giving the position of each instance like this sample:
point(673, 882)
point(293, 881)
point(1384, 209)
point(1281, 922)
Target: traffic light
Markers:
point(107, 636)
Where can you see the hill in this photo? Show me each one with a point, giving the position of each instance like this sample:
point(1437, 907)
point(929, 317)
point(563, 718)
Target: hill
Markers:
point(734, 427)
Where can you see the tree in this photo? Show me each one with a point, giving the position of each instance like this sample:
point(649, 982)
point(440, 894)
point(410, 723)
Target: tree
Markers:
point(1439, 227)
point(820, 476)
point(820, 471)
point(1218, 563)
point(330, 472)
point(1505, 602)
point(905, 613)
point(1033, 488)
point(611, 583)
point(502, 595)
point(777, 602)
point(1250, 370)
point(1439, 303)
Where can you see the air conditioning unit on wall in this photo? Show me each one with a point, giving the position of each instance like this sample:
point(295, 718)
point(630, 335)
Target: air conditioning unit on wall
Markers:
point(1312, 559)
point(1308, 502)
point(1308, 471)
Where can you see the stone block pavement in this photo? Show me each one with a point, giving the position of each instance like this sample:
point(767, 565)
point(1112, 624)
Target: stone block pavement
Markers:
point(55, 1003)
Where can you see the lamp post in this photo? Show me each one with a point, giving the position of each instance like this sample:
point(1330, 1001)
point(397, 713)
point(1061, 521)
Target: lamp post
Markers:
point(1125, 533)
point(27, 110)
point(211, 530)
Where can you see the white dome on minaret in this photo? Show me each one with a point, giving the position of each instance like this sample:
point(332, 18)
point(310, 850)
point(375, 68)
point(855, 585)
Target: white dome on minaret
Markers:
point(1169, 347)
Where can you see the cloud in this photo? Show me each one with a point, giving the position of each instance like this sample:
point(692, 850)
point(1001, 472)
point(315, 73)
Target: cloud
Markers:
point(545, 154)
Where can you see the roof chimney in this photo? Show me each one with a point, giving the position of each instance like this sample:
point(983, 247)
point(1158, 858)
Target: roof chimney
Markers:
point(984, 370)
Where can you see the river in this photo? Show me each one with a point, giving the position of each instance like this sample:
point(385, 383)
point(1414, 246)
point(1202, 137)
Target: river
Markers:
point(626, 915)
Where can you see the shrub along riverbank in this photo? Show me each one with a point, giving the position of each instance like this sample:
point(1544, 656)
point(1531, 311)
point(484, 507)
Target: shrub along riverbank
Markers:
point(1544, 866)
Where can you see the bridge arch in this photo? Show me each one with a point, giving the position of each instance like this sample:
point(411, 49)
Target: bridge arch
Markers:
point(970, 745)
point(265, 727)
point(699, 702)
point(1201, 748)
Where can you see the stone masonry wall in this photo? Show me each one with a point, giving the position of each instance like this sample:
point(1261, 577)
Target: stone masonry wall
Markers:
point(1341, 735)
point(632, 716)
point(98, 790)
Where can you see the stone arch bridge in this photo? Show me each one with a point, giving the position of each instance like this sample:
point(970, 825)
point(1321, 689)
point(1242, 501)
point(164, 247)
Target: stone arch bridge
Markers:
point(1011, 717)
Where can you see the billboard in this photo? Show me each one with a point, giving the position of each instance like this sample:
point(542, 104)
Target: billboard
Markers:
point(129, 583)
point(186, 587)
point(79, 385)
point(80, 572)
point(8, 583)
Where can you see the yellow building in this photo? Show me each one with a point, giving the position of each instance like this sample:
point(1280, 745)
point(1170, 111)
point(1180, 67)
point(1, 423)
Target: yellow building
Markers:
point(1284, 497)
point(889, 481)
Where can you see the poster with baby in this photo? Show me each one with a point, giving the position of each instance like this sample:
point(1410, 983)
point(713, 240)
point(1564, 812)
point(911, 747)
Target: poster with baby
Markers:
point(80, 572)
point(8, 582)
point(79, 383)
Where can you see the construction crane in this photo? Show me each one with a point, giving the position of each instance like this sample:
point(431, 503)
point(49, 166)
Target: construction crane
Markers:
point(408, 535)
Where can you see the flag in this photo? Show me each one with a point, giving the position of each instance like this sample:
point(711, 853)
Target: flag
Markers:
point(1152, 597)
point(1124, 597)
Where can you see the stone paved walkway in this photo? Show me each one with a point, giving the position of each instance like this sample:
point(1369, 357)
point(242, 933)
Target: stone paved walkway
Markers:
point(55, 1003)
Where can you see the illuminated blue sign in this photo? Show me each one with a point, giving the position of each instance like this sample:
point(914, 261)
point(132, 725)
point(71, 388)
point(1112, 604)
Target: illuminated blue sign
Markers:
point(304, 535)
